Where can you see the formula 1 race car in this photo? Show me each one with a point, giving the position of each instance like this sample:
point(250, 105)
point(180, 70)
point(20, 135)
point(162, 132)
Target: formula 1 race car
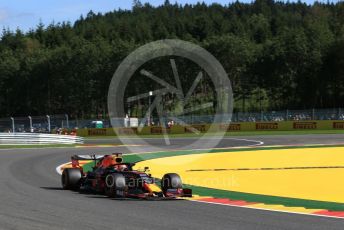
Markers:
point(112, 177)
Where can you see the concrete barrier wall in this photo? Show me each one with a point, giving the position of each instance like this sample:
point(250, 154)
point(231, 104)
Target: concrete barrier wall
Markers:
point(233, 127)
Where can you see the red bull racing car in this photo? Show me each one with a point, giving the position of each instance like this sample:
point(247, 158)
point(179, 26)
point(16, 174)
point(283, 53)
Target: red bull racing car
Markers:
point(112, 177)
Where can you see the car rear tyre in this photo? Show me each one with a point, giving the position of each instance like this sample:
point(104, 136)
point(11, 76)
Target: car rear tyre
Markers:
point(171, 181)
point(114, 185)
point(70, 179)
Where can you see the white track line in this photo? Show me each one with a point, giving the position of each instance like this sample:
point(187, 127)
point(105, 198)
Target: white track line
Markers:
point(258, 143)
point(58, 170)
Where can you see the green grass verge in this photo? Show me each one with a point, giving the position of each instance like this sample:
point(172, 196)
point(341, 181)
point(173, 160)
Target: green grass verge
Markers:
point(233, 195)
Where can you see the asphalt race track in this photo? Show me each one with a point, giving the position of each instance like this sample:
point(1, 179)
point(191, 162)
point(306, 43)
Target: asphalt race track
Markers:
point(31, 197)
point(240, 140)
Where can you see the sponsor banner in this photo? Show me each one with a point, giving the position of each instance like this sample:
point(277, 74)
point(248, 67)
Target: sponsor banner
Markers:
point(237, 126)
point(230, 127)
point(127, 131)
point(338, 125)
point(267, 126)
point(158, 130)
point(96, 132)
point(305, 125)
point(201, 128)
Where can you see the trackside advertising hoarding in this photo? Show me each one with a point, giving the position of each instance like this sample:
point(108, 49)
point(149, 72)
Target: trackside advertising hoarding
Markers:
point(233, 127)
point(338, 125)
point(267, 126)
point(305, 125)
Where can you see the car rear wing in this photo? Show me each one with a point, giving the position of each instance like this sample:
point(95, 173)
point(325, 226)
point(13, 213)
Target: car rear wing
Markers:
point(93, 156)
point(96, 158)
point(87, 157)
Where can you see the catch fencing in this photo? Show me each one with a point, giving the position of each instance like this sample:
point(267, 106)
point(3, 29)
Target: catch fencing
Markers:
point(34, 124)
point(52, 123)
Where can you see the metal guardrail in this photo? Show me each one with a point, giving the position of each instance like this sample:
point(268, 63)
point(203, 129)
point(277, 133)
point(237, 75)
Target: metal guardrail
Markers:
point(38, 138)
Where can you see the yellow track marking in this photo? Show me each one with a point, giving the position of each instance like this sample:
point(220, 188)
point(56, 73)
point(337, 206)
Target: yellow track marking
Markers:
point(312, 184)
point(284, 208)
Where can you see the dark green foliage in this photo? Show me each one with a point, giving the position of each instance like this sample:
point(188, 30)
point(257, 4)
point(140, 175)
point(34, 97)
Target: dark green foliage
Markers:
point(291, 53)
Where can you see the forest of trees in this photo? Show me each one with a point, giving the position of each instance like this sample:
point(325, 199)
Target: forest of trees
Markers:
point(277, 55)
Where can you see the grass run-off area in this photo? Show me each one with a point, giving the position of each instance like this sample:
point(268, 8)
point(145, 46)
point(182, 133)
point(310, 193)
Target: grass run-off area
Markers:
point(237, 133)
